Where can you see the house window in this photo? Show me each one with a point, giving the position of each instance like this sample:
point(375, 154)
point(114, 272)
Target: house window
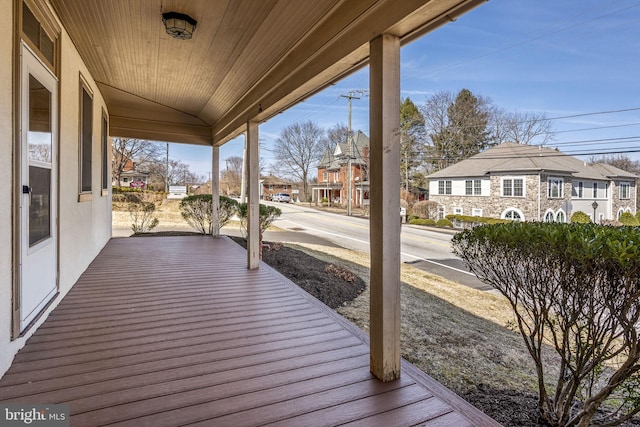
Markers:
point(457, 211)
point(336, 177)
point(595, 190)
point(580, 190)
point(556, 188)
point(560, 216)
point(513, 214)
point(513, 187)
point(549, 216)
point(40, 38)
point(105, 155)
point(606, 190)
point(86, 138)
point(444, 187)
point(625, 190)
point(473, 187)
point(476, 212)
point(325, 176)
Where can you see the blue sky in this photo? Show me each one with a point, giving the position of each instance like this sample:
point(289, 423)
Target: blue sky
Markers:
point(577, 62)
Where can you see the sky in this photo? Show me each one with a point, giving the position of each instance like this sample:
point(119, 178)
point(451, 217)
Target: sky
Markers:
point(575, 61)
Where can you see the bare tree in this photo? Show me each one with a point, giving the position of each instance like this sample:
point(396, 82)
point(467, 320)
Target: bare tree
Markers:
point(138, 153)
point(298, 147)
point(522, 128)
point(623, 162)
point(620, 161)
point(457, 126)
point(337, 134)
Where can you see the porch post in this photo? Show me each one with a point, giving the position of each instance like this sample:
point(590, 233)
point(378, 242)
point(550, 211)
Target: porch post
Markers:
point(215, 192)
point(253, 204)
point(384, 122)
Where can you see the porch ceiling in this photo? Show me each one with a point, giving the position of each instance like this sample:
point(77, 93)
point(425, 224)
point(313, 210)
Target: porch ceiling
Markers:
point(248, 59)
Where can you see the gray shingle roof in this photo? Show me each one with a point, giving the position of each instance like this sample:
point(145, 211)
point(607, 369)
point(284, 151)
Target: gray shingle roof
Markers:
point(516, 158)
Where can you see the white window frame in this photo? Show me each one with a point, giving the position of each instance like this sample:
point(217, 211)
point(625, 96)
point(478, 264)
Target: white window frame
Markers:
point(561, 212)
point(476, 212)
point(626, 193)
point(512, 180)
point(580, 190)
point(505, 213)
point(473, 187)
point(595, 190)
point(549, 216)
point(444, 187)
point(458, 210)
point(560, 186)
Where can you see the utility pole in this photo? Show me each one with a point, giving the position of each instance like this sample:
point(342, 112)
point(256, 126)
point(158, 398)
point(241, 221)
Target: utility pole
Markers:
point(351, 95)
point(167, 172)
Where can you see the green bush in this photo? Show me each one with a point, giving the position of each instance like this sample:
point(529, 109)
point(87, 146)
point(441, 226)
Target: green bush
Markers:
point(197, 211)
point(580, 217)
point(142, 217)
point(476, 219)
point(444, 223)
point(267, 215)
point(627, 218)
point(422, 221)
point(574, 289)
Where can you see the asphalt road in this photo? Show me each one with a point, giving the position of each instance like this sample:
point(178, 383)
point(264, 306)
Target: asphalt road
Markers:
point(424, 248)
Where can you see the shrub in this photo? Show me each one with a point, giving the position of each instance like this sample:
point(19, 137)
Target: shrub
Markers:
point(425, 209)
point(142, 217)
point(444, 223)
point(627, 218)
point(267, 215)
point(580, 217)
point(576, 288)
point(422, 221)
point(197, 211)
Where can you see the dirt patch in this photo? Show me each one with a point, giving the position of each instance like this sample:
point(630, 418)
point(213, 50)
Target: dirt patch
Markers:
point(332, 284)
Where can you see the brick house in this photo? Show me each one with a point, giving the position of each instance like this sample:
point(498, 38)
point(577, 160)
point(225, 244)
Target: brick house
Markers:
point(532, 183)
point(333, 171)
point(271, 185)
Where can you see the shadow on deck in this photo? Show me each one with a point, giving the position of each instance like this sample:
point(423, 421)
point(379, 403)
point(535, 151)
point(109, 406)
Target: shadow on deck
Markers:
point(170, 331)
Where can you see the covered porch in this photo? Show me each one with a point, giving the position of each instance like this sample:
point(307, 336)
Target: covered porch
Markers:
point(186, 334)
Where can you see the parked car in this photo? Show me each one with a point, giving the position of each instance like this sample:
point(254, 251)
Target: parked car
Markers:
point(281, 197)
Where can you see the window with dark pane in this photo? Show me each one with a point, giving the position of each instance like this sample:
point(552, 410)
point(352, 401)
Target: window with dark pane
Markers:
point(86, 141)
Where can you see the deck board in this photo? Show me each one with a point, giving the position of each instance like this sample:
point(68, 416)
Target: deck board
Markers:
point(195, 338)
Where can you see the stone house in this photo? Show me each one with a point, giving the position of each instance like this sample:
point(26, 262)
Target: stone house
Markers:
point(532, 183)
point(333, 173)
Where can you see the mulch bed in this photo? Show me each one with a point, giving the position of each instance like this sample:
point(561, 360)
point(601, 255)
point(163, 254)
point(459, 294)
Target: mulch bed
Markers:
point(333, 285)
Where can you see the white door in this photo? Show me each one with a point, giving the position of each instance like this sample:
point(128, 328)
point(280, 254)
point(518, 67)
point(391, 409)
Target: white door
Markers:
point(38, 210)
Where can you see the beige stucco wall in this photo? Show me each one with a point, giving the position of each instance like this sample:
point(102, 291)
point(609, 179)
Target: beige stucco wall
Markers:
point(6, 148)
point(84, 227)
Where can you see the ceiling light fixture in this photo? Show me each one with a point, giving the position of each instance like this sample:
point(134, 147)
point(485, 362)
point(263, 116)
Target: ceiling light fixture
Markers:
point(179, 25)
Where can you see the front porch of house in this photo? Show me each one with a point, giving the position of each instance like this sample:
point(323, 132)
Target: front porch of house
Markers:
point(184, 333)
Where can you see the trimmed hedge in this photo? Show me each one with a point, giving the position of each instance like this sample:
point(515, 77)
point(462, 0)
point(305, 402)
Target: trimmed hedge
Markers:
point(580, 217)
point(421, 221)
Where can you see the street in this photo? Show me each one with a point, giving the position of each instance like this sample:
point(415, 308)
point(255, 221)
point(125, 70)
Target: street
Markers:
point(425, 249)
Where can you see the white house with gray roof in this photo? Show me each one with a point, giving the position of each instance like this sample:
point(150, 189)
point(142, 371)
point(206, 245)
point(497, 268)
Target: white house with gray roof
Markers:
point(532, 183)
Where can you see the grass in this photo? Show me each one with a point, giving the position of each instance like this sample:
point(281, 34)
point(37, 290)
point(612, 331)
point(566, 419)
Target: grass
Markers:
point(456, 334)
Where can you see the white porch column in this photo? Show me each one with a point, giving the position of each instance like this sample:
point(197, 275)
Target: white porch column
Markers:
point(384, 122)
point(253, 203)
point(215, 191)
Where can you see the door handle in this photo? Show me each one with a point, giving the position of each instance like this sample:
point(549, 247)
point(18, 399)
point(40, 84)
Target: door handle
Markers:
point(26, 189)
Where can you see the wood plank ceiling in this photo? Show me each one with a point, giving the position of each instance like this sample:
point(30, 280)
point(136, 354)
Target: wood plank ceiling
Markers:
point(247, 60)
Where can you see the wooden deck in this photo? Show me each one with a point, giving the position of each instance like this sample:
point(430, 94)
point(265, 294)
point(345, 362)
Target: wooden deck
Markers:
point(167, 331)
